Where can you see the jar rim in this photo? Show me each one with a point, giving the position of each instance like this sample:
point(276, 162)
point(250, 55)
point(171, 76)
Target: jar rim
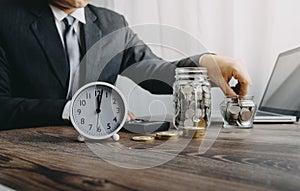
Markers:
point(189, 70)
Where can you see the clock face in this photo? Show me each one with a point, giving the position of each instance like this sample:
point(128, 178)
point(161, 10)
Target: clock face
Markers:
point(98, 110)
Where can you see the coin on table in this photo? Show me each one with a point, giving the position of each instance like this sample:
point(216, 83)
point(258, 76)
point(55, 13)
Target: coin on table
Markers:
point(143, 138)
point(245, 114)
point(195, 132)
point(167, 135)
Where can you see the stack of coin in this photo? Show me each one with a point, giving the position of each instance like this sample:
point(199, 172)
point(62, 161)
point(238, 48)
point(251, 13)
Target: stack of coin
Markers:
point(195, 132)
point(192, 105)
point(238, 112)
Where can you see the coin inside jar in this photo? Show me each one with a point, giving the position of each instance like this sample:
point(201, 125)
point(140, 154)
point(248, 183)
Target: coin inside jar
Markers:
point(234, 110)
point(206, 89)
point(189, 113)
point(245, 114)
point(188, 123)
point(201, 123)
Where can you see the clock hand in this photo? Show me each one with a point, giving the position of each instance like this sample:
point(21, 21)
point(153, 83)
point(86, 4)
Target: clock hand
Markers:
point(99, 100)
point(98, 127)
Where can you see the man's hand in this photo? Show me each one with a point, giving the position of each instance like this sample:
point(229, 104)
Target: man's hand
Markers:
point(130, 117)
point(221, 70)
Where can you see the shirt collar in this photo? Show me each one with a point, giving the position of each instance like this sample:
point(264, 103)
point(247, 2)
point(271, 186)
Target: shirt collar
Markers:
point(78, 14)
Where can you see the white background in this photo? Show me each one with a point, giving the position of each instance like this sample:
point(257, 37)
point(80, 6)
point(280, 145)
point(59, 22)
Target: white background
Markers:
point(255, 31)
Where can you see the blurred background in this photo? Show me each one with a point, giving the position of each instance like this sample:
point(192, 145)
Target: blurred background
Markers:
point(254, 31)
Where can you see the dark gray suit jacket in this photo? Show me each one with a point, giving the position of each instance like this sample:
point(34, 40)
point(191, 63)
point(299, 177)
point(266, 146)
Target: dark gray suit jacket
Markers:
point(33, 65)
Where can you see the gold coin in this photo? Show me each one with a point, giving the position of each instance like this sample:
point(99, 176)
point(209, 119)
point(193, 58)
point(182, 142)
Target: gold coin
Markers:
point(195, 132)
point(166, 135)
point(201, 123)
point(142, 138)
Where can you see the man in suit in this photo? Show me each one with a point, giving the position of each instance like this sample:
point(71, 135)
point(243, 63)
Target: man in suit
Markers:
point(35, 68)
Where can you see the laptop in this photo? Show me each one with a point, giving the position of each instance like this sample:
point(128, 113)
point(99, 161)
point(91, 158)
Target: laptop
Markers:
point(281, 99)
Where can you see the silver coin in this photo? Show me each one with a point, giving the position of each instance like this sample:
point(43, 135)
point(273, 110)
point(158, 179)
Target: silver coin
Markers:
point(199, 93)
point(206, 89)
point(245, 114)
point(189, 113)
point(207, 102)
point(208, 112)
point(207, 95)
point(234, 110)
point(234, 116)
point(199, 113)
point(188, 123)
point(192, 105)
point(187, 89)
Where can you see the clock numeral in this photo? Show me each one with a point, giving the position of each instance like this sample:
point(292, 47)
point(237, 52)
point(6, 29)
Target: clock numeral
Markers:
point(82, 103)
point(98, 129)
point(114, 101)
point(79, 111)
point(108, 126)
point(91, 126)
point(88, 95)
point(118, 110)
point(106, 94)
point(115, 119)
point(82, 121)
point(97, 92)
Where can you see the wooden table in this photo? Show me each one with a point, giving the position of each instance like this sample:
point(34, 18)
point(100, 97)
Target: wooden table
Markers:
point(266, 157)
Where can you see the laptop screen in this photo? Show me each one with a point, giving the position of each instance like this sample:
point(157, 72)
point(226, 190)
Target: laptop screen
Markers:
point(282, 94)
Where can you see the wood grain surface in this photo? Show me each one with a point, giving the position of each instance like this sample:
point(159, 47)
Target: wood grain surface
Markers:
point(266, 157)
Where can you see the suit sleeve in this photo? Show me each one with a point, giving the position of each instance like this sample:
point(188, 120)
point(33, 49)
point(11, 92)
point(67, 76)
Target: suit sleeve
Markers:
point(148, 70)
point(16, 112)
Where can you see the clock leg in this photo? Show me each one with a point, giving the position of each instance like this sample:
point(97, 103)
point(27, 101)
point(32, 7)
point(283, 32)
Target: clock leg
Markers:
point(80, 138)
point(116, 137)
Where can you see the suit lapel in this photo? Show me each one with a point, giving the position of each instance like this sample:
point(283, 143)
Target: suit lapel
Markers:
point(91, 34)
point(45, 31)
point(91, 30)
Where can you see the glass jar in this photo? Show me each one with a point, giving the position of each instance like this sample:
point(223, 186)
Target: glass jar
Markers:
point(192, 99)
point(238, 112)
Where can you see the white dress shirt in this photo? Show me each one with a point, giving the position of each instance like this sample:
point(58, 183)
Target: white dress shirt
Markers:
point(59, 16)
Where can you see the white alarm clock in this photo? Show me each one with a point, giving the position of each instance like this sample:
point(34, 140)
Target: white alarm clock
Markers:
point(97, 111)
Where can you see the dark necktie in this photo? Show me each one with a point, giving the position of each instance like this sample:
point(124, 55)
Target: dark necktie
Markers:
point(72, 51)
